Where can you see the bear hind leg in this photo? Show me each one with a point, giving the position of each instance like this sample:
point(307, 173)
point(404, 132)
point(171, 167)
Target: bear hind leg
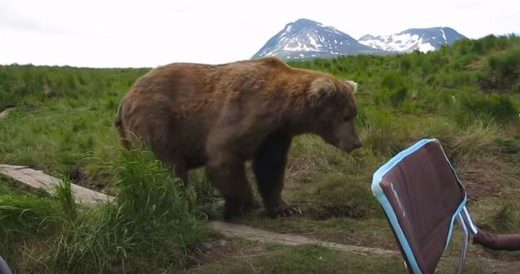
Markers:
point(229, 177)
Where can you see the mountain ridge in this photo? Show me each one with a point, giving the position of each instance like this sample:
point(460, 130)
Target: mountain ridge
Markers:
point(422, 39)
point(306, 39)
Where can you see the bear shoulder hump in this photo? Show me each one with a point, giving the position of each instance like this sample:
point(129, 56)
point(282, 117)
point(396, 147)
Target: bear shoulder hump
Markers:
point(272, 62)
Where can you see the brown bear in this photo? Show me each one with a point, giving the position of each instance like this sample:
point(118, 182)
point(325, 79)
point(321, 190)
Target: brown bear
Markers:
point(220, 116)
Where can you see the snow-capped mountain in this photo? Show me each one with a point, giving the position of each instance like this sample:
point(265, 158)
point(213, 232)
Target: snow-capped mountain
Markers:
point(424, 40)
point(305, 39)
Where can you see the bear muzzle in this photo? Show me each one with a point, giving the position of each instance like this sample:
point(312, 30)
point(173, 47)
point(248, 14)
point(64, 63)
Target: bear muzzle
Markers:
point(349, 147)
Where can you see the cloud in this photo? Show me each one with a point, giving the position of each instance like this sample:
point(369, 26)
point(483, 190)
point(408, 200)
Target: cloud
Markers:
point(9, 19)
point(154, 32)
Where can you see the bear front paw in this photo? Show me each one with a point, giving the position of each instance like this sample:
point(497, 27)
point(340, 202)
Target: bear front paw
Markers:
point(284, 210)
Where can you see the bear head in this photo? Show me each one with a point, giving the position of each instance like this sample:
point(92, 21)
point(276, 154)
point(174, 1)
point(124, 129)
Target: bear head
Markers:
point(335, 110)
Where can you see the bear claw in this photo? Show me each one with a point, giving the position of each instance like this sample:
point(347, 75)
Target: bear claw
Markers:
point(285, 211)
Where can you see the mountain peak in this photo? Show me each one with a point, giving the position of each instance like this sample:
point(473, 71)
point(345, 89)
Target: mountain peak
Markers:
point(300, 25)
point(304, 21)
point(306, 38)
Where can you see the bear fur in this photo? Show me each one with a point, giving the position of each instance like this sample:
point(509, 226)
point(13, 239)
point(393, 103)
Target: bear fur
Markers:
point(220, 116)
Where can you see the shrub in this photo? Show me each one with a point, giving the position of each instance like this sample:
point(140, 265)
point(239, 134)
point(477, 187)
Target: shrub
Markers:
point(486, 44)
point(502, 71)
point(393, 91)
point(469, 107)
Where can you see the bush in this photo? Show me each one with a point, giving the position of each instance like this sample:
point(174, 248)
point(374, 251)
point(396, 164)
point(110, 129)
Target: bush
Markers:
point(469, 107)
point(502, 71)
point(393, 91)
point(487, 44)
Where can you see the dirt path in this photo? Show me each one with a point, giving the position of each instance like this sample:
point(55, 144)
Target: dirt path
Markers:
point(5, 112)
point(264, 236)
point(38, 179)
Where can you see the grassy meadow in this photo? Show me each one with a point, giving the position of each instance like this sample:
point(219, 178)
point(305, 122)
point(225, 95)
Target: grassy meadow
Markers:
point(466, 95)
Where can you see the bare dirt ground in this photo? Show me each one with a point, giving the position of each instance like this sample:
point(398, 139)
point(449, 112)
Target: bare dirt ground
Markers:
point(484, 178)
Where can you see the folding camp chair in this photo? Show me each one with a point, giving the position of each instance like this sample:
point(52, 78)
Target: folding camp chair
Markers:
point(422, 198)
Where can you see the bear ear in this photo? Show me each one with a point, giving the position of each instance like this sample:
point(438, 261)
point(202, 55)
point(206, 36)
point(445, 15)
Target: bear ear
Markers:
point(321, 89)
point(353, 84)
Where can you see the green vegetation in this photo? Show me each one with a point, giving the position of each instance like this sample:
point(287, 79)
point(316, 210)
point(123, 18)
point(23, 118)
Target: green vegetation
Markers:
point(62, 120)
point(466, 95)
point(303, 259)
point(314, 259)
point(150, 227)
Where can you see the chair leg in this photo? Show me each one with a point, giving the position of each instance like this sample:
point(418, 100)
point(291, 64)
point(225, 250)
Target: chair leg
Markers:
point(469, 222)
point(464, 251)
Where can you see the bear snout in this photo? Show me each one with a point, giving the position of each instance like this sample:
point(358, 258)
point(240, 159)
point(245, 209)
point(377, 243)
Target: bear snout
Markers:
point(349, 147)
point(357, 145)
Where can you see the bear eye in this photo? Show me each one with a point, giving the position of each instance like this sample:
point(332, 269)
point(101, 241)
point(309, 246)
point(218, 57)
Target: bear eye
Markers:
point(346, 118)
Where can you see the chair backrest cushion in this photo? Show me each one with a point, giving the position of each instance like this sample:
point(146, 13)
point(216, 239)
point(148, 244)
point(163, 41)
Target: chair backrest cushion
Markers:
point(421, 196)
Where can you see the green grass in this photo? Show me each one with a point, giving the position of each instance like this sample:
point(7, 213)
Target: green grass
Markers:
point(337, 195)
point(62, 120)
point(304, 259)
point(6, 186)
point(466, 95)
point(151, 226)
point(314, 259)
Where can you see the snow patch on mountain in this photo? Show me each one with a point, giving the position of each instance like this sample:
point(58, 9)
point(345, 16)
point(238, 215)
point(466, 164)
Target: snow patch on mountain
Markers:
point(305, 39)
point(423, 40)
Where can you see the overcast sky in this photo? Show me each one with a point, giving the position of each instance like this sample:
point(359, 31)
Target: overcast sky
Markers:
point(132, 33)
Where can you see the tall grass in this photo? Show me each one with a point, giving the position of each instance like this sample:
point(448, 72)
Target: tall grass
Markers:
point(151, 226)
point(468, 108)
point(506, 219)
